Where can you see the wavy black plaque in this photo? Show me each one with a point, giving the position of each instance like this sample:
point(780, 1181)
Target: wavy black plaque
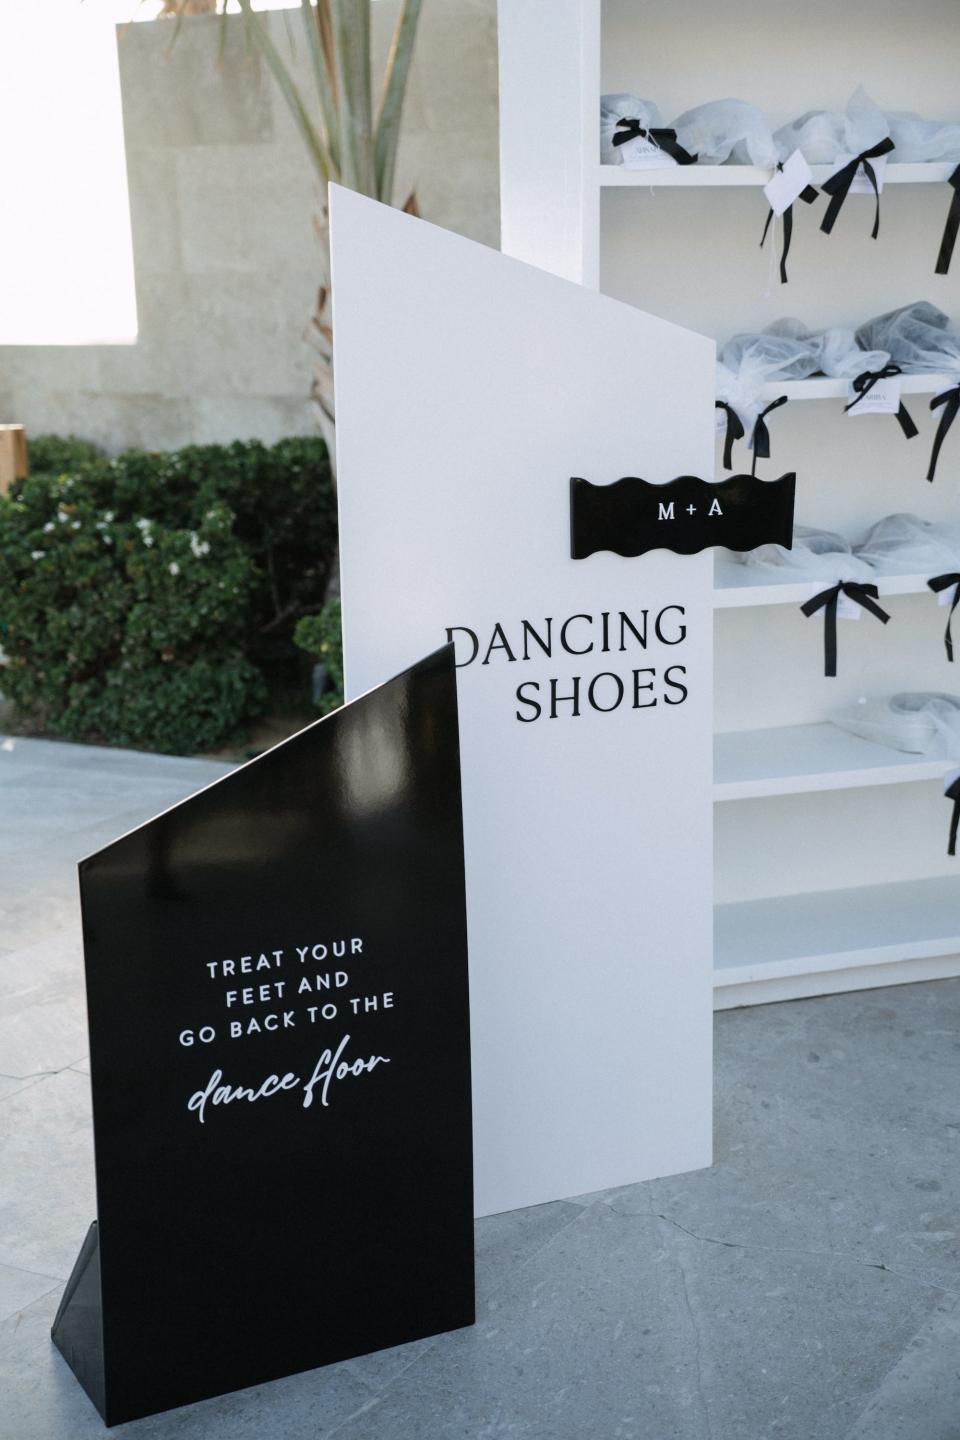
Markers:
point(280, 1065)
point(632, 516)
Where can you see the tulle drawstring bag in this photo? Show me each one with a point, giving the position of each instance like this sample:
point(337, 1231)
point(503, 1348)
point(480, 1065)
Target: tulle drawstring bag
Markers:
point(749, 362)
point(613, 109)
point(919, 723)
point(921, 340)
point(849, 140)
point(727, 130)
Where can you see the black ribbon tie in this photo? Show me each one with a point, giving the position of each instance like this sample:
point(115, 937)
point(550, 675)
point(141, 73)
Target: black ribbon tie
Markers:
point(951, 227)
point(734, 431)
point(808, 194)
point(827, 600)
point(943, 582)
point(761, 434)
point(952, 792)
point(665, 140)
point(865, 382)
point(838, 186)
point(950, 400)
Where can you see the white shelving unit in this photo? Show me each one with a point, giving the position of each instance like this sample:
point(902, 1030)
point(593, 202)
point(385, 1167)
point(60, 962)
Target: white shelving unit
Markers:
point(831, 871)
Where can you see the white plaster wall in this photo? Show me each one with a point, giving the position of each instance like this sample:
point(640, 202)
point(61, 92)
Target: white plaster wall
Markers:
point(221, 199)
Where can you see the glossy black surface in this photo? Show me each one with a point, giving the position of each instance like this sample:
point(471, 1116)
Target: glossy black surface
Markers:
point(633, 516)
point(273, 1236)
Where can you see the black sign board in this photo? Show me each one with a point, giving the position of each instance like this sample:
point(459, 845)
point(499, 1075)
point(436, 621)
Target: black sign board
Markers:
point(633, 516)
point(280, 1064)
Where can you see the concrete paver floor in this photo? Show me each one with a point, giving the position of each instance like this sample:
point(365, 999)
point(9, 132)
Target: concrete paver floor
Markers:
point(806, 1287)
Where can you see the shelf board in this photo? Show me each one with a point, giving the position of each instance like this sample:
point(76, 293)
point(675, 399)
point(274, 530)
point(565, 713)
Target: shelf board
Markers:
point(714, 175)
point(832, 940)
point(798, 759)
point(732, 589)
point(823, 387)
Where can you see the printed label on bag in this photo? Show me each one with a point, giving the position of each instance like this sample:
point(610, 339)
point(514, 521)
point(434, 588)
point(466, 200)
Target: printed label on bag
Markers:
point(641, 153)
point(787, 184)
point(883, 398)
point(847, 609)
point(721, 422)
point(860, 184)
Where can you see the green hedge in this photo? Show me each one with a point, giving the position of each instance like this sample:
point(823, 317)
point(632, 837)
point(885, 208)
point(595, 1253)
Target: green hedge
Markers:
point(145, 600)
point(322, 636)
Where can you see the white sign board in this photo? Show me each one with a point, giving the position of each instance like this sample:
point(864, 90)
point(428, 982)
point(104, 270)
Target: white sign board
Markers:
point(470, 388)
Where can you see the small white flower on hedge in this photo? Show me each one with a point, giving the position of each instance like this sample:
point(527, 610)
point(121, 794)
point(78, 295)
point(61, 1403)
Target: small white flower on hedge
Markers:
point(199, 547)
point(174, 568)
point(48, 527)
point(108, 514)
point(76, 525)
point(37, 554)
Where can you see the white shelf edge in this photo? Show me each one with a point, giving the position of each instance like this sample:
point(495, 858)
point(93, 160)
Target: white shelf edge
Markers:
point(769, 989)
point(712, 176)
point(732, 597)
point(725, 975)
point(823, 387)
point(899, 769)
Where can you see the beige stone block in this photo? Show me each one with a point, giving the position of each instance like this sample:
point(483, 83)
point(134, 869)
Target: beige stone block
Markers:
point(223, 418)
point(250, 337)
point(455, 66)
point(464, 191)
point(154, 208)
point(161, 362)
point(178, 89)
point(247, 208)
point(149, 422)
point(34, 369)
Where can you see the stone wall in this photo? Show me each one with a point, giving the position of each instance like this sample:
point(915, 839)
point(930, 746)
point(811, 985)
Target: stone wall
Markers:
point(222, 199)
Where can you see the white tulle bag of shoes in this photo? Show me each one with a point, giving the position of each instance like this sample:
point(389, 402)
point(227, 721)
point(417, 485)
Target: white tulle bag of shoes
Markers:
point(919, 723)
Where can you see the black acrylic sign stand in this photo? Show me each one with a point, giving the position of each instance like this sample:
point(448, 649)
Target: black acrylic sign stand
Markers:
point(280, 1065)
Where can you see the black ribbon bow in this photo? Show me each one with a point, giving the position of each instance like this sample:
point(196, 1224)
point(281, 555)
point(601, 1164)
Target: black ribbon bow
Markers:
point(952, 792)
point(942, 582)
point(761, 434)
point(863, 595)
point(865, 382)
point(951, 227)
point(838, 186)
point(665, 140)
point(808, 194)
point(734, 431)
point(950, 400)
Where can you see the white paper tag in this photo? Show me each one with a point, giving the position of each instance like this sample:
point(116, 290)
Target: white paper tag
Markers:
point(721, 421)
point(641, 153)
point(945, 596)
point(949, 778)
point(860, 184)
point(787, 184)
point(847, 609)
point(883, 398)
